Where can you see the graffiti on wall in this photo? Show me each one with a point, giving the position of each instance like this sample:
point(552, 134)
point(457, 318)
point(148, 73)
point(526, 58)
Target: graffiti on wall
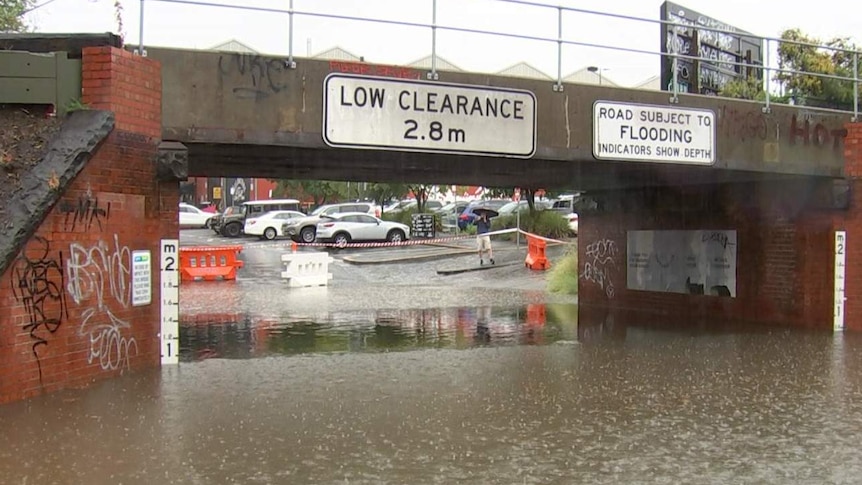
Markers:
point(692, 262)
point(364, 69)
point(600, 263)
point(38, 284)
point(252, 76)
point(745, 124)
point(98, 279)
point(80, 214)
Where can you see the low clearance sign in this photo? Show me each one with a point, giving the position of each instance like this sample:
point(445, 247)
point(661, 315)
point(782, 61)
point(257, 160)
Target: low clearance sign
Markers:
point(646, 133)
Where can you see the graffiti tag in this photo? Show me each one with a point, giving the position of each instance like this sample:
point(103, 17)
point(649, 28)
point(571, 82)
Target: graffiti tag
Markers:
point(83, 213)
point(597, 269)
point(260, 76)
point(99, 276)
point(38, 284)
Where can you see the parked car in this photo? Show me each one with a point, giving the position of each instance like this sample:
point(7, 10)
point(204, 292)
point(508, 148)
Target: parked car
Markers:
point(343, 228)
point(572, 217)
point(191, 216)
point(269, 225)
point(305, 229)
point(565, 204)
point(467, 217)
point(231, 223)
point(449, 214)
point(430, 206)
point(522, 206)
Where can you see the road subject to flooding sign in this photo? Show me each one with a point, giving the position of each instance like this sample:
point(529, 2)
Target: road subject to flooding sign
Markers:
point(637, 132)
point(412, 115)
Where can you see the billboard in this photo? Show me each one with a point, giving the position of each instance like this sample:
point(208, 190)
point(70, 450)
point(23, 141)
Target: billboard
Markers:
point(723, 46)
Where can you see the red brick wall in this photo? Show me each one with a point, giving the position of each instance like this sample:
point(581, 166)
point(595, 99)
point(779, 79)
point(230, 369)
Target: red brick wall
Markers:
point(784, 253)
point(67, 298)
point(852, 223)
point(129, 85)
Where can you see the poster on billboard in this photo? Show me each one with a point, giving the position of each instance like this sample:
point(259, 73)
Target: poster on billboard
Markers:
point(699, 262)
point(720, 44)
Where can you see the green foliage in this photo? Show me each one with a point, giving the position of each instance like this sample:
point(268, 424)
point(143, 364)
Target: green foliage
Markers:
point(804, 89)
point(545, 223)
point(321, 191)
point(809, 89)
point(76, 105)
point(382, 193)
point(499, 192)
point(12, 15)
point(420, 191)
point(563, 276)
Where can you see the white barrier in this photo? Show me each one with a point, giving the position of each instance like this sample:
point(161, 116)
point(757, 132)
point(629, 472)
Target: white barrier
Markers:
point(306, 269)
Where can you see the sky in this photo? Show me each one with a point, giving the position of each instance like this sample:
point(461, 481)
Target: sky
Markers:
point(170, 24)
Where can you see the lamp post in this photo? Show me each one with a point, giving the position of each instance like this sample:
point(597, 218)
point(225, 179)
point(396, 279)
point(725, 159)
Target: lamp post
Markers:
point(596, 69)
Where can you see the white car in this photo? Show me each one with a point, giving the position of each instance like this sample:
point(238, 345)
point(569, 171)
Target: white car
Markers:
point(191, 216)
point(346, 227)
point(573, 221)
point(268, 225)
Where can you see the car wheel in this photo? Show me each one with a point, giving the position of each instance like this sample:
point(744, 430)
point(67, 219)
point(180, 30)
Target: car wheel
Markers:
point(208, 223)
point(269, 233)
point(232, 230)
point(395, 235)
point(341, 239)
point(307, 234)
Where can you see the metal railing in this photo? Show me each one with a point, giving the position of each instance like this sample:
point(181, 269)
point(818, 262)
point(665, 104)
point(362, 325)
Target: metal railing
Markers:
point(560, 41)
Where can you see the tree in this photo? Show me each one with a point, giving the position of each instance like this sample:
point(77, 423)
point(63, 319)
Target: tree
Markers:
point(805, 89)
point(420, 191)
point(808, 89)
point(383, 193)
point(320, 191)
point(12, 15)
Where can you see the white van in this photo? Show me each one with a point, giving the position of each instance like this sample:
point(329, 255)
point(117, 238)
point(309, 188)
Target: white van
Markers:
point(231, 225)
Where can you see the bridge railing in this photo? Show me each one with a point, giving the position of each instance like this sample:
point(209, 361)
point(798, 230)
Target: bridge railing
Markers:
point(762, 73)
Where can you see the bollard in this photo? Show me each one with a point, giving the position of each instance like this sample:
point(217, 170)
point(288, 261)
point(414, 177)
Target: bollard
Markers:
point(536, 258)
point(209, 263)
point(306, 269)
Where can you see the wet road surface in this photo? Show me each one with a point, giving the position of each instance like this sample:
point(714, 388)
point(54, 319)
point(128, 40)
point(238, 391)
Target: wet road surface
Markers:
point(472, 380)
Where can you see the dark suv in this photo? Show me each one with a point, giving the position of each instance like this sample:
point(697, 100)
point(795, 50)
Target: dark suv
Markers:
point(230, 223)
point(304, 229)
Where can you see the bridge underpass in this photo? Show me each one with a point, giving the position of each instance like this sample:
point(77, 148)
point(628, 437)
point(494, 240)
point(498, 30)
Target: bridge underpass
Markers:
point(248, 115)
point(763, 187)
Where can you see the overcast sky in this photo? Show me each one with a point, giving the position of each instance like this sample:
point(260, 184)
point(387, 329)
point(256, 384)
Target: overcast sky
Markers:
point(175, 25)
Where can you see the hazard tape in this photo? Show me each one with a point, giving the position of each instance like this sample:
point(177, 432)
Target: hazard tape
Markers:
point(409, 242)
point(556, 241)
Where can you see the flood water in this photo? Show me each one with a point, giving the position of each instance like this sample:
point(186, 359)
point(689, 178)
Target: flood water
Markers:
point(457, 395)
point(395, 375)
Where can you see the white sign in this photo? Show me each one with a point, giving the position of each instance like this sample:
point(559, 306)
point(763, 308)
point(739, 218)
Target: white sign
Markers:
point(840, 264)
point(644, 133)
point(170, 286)
point(142, 278)
point(398, 114)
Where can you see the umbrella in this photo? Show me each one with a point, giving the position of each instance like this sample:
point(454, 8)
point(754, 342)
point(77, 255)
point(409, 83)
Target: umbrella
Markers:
point(486, 210)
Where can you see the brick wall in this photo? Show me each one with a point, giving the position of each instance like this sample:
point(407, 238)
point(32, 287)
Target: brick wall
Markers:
point(784, 259)
point(71, 319)
point(852, 223)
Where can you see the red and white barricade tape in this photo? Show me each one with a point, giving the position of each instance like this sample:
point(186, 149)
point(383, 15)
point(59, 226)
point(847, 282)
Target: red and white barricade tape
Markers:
point(409, 242)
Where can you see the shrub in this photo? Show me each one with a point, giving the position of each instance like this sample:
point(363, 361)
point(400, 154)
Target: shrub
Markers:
point(543, 223)
point(563, 277)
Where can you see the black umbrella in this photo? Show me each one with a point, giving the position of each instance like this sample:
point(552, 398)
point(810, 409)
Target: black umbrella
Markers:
point(487, 211)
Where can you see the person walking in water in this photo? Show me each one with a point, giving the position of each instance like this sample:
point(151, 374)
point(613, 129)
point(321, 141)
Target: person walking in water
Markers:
point(483, 240)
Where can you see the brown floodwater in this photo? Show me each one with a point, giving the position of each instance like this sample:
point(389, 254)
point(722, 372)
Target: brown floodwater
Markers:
point(499, 394)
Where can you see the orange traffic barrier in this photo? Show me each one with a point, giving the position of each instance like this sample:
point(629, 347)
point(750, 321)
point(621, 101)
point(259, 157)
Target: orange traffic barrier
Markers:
point(536, 258)
point(209, 263)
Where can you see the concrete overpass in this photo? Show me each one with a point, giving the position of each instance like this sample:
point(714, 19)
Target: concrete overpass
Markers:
point(252, 116)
